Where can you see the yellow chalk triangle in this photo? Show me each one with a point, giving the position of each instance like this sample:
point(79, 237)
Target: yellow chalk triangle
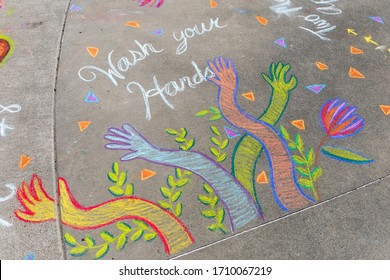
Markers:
point(262, 178)
point(300, 124)
point(133, 24)
point(93, 51)
point(146, 174)
point(84, 125)
point(355, 50)
point(385, 109)
point(24, 161)
point(262, 20)
point(249, 95)
point(322, 66)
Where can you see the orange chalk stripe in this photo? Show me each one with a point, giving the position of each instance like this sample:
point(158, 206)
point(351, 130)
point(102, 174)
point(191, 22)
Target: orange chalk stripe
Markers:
point(262, 178)
point(300, 124)
point(385, 109)
point(353, 73)
point(262, 20)
point(322, 66)
point(133, 24)
point(249, 95)
point(355, 50)
point(93, 51)
point(84, 125)
point(147, 174)
point(24, 161)
point(213, 4)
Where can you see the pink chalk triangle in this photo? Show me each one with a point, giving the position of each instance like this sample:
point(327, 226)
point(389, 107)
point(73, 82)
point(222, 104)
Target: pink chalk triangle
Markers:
point(158, 32)
point(231, 133)
point(377, 19)
point(316, 88)
point(281, 42)
point(91, 97)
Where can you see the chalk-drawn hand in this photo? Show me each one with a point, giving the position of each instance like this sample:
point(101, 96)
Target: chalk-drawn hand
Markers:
point(225, 73)
point(128, 138)
point(278, 78)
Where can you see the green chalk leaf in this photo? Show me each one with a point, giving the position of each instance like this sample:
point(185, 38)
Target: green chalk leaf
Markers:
point(207, 188)
point(303, 171)
point(164, 205)
point(70, 240)
point(292, 146)
point(123, 227)
point(209, 213)
point(78, 251)
point(213, 227)
point(299, 160)
point(214, 201)
point(176, 196)
point(106, 236)
point(122, 179)
point(137, 235)
point(204, 199)
point(345, 155)
point(180, 140)
point(122, 240)
point(215, 110)
point(215, 141)
point(171, 131)
point(141, 224)
point(129, 190)
point(299, 142)
point(171, 181)
point(304, 183)
point(214, 151)
point(316, 174)
point(100, 254)
point(190, 144)
point(116, 191)
point(284, 133)
point(215, 130)
point(112, 177)
point(202, 113)
point(89, 241)
point(150, 236)
point(182, 182)
point(222, 158)
point(216, 117)
point(310, 157)
point(115, 167)
point(225, 143)
point(179, 209)
point(178, 173)
point(221, 215)
point(165, 192)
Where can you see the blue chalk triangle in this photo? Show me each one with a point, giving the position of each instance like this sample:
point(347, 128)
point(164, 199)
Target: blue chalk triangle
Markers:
point(378, 19)
point(75, 7)
point(316, 88)
point(281, 42)
point(158, 32)
point(91, 97)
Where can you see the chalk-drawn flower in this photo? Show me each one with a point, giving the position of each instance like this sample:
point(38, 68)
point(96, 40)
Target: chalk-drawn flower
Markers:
point(339, 120)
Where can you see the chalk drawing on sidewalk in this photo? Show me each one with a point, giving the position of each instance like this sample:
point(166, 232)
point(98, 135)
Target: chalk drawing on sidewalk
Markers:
point(93, 51)
point(30, 257)
point(24, 161)
point(75, 8)
point(385, 109)
point(38, 207)
point(7, 47)
point(151, 3)
point(133, 24)
point(12, 188)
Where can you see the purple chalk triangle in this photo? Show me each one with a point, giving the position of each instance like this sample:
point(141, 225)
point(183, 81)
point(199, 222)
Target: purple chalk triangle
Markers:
point(231, 133)
point(74, 7)
point(158, 32)
point(378, 19)
point(281, 42)
point(316, 88)
point(91, 97)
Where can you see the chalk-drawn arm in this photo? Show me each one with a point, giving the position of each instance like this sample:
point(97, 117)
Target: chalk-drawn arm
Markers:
point(278, 78)
point(240, 207)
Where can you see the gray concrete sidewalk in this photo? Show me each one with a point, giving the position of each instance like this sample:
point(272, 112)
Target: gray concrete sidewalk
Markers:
point(292, 163)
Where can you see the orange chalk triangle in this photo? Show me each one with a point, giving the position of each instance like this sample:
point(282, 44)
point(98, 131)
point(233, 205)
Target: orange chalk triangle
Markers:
point(213, 4)
point(385, 109)
point(24, 161)
point(262, 20)
point(322, 66)
point(84, 125)
point(133, 24)
point(146, 174)
point(300, 124)
point(262, 178)
point(353, 73)
point(249, 95)
point(354, 50)
point(93, 51)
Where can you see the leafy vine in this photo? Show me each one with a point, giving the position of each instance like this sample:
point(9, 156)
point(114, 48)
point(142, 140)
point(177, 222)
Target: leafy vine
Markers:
point(215, 113)
point(181, 138)
point(221, 144)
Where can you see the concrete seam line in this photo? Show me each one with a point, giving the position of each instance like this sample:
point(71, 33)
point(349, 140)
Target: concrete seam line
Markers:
point(55, 175)
point(282, 218)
